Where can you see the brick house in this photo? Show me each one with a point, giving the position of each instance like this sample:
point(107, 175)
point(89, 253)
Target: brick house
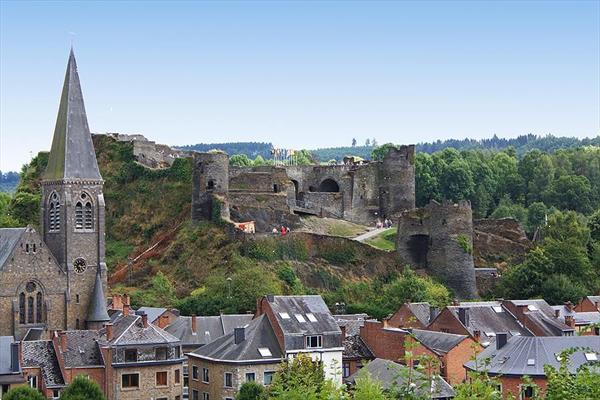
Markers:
point(511, 359)
point(249, 353)
point(588, 303)
point(538, 317)
point(413, 315)
point(450, 350)
point(585, 322)
point(356, 353)
point(479, 320)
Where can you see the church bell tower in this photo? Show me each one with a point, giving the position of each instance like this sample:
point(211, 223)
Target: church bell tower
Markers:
point(73, 208)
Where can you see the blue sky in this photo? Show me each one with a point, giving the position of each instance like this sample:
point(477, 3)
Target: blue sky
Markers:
point(301, 74)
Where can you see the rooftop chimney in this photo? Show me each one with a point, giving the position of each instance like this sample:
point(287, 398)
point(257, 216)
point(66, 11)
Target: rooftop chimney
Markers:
point(501, 339)
point(556, 313)
point(163, 321)
point(570, 321)
point(270, 298)
point(455, 302)
point(126, 299)
point(597, 304)
point(145, 320)
point(125, 309)
point(433, 313)
point(477, 335)
point(63, 341)
point(194, 324)
point(569, 305)
point(239, 335)
point(343, 329)
point(14, 357)
point(117, 302)
point(463, 315)
point(109, 331)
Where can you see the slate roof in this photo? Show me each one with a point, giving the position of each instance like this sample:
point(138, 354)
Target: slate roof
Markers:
point(387, 372)
point(304, 305)
point(421, 311)
point(258, 334)
point(72, 153)
point(6, 354)
point(34, 334)
point(40, 354)
point(356, 348)
point(542, 314)
point(9, 237)
point(514, 357)
point(152, 312)
point(82, 349)
point(129, 331)
point(484, 318)
point(439, 342)
point(207, 328)
point(352, 322)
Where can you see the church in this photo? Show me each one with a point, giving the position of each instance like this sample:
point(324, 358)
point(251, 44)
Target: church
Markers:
point(55, 279)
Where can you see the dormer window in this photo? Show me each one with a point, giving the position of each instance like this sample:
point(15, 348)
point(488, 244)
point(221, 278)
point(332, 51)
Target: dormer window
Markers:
point(314, 342)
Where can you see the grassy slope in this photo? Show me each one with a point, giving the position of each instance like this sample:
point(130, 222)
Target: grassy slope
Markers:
point(386, 240)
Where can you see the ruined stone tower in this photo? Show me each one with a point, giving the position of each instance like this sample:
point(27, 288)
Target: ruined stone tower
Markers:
point(439, 239)
point(72, 209)
point(397, 181)
point(210, 186)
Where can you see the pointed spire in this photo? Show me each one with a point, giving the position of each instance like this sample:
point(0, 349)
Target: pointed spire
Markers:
point(97, 311)
point(72, 154)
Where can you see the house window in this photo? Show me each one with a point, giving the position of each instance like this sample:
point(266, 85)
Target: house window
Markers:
point(177, 352)
point(195, 373)
point(130, 380)
point(32, 381)
point(314, 341)
point(268, 378)
point(527, 392)
point(55, 394)
point(205, 396)
point(161, 378)
point(228, 379)
point(131, 355)
point(205, 375)
point(345, 369)
point(195, 395)
point(160, 353)
point(250, 377)
point(177, 376)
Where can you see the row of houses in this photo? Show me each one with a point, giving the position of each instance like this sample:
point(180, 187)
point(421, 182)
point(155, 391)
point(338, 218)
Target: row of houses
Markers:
point(155, 353)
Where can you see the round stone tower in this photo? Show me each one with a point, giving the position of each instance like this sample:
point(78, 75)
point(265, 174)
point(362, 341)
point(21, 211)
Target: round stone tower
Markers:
point(210, 186)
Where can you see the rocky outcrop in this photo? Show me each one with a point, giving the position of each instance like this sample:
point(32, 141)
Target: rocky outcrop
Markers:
point(498, 243)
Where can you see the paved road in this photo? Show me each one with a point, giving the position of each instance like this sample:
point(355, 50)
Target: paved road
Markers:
point(369, 234)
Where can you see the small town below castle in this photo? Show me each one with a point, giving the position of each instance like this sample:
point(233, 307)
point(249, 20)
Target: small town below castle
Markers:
point(465, 269)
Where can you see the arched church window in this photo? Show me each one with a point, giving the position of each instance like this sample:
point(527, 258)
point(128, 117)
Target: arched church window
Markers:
point(78, 215)
point(54, 213)
point(30, 307)
point(22, 308)
point(88, 216)
point(38, 307)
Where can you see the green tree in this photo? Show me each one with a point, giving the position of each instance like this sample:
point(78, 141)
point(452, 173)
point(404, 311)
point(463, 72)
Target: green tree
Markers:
point(427, 183)
point(251, 391)
point(160, 294)
point(24, 393)
point(379, 152)
point(536, 216)
point(563, 384)
point(240, 160)
point(366, 388)
point(296, 377)
point(571, 192)
point(82, 388)
point(594, 225)
point(507, 209)
point(457, 182)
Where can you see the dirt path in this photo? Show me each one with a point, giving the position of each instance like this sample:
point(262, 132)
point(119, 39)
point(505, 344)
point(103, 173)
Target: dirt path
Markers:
point(369, 234)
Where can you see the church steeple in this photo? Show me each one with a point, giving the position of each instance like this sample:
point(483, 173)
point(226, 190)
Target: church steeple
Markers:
point(97, 314)
point(72, 154)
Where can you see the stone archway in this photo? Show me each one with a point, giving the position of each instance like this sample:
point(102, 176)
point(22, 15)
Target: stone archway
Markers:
point(329, 185)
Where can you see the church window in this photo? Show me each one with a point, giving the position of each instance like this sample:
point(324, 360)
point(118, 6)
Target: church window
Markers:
point(88, 216)
point(77, 298)
point(38, 307)
point(27, 248)
point(22, 308)
point(30, 287)
point(30, 307)
point(78, 215)
point(54, 213)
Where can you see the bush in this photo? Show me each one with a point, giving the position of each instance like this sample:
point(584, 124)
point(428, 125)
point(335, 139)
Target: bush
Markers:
point(23, 393)
point(82, 388)
point(338, 253)
point(250, 391)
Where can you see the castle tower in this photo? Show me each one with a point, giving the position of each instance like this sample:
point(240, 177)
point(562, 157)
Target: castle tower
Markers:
point(73, 204)
point(210, 186)
point(397, 181)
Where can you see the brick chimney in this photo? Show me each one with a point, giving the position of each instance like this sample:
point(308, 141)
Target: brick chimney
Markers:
point(556, 313)
point(194, 324)
point(477, 335)
point(117, 302)
point(343, 329)
point(569, 306)
point(63, 341)
point(144, 320)
point(125, 309)
point(570, 321)
point(109, 331)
